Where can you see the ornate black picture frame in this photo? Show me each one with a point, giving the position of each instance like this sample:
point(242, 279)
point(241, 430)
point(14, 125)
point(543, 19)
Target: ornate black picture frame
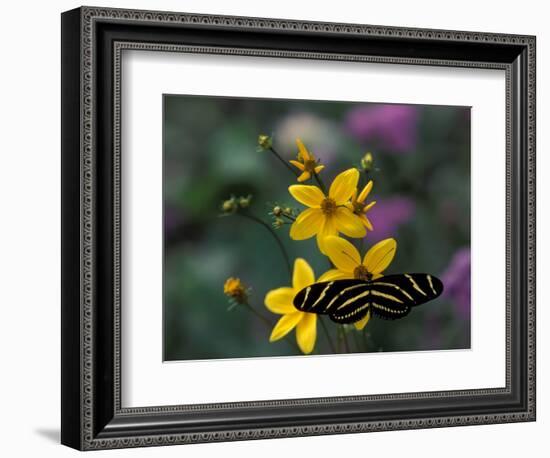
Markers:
point(92, 42)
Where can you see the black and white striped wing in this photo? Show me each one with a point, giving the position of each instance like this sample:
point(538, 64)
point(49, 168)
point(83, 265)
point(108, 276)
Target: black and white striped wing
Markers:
point(348, 301)
point(349, 296)
point(323, 298)
point(391, 297)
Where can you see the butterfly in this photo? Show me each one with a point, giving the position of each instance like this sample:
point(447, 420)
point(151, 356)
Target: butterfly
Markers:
point(389, 297)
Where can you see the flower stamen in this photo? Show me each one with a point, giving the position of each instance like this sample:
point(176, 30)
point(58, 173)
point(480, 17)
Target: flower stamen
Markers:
point(358, 207)
point(309, 165)
point(361, 273)
point(328, 206)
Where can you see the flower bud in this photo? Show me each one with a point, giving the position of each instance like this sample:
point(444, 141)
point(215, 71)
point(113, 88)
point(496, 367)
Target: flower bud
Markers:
point(229, 205)
point(244, 202)
point(265, 141)
point(235, 289)
point(278, 223)
point(367, 162)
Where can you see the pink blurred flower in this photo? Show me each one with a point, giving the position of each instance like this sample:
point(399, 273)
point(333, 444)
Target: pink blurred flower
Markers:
point(388, 214)
point(456, 282)
point(393, 127)
point(432, 332)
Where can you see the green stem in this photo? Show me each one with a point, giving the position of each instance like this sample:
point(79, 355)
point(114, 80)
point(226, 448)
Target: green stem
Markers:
point(360, 245)
point(345, 339)
point(287, 165)
point(275, 236)
point(269, 325)
point(327, 334)
point(290, 217)
point(320, 183)
point(259, 315)
point(356, 340)
point(365, 342)
point(369, 341)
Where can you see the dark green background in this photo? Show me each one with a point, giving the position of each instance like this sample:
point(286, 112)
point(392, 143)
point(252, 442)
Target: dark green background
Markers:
point(210, 152)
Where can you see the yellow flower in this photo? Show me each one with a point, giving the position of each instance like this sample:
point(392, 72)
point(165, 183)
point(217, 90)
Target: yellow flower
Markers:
point(327, 215)
point(359, 207)
point(234, 288)
point(306, 162)
point(348, 262)
point(280, 301)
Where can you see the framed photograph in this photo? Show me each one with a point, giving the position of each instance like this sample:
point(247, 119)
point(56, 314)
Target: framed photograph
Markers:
point(276, 228)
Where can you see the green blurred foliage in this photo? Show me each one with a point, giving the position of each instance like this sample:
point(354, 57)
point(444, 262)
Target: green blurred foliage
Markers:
point(210, 153)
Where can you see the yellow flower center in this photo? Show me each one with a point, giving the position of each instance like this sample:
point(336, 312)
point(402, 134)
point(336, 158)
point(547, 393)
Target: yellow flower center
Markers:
point(328, 206)
point(310, 165)
point(358, 207)
point(361, 273)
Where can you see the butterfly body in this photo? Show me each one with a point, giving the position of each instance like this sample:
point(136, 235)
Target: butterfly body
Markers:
point(389, 297)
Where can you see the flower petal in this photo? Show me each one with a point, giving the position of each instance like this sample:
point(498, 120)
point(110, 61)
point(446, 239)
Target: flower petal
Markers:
point(306, 332)
point(285, 324)
point(302, 150)
point(303, 275)
point(369, 206)
point(380, 256)
point(298, 165)
point(359, 325)
point(365, 192)
point(343, 186)
point(310, 196)
point(280, 300)
point(304, 176)
point(327, 230)
point(334, 274)
point(308, 223)
point(366, 222)
point(318, 168)
point(348, 223)
point(342, 254)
